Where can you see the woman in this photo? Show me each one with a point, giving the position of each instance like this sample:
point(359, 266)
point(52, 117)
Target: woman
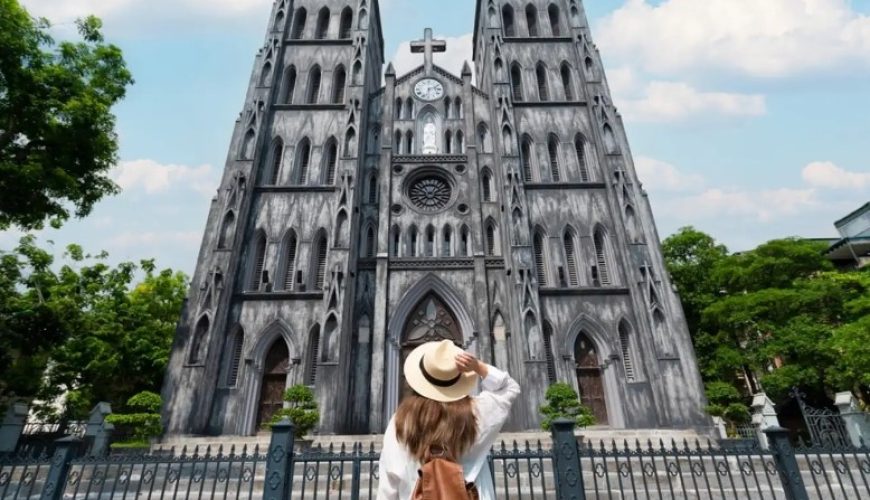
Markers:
point(441, 414)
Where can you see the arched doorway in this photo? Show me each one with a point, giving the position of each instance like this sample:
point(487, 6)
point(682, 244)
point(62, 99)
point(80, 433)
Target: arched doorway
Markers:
point(430, 321)
point(589, 377)
point(274, 381)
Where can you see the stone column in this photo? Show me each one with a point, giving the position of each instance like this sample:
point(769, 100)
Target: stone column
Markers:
point(12, 427)
point(719, 428)
point(763, 417)
point(98, 433)
point(857, 422)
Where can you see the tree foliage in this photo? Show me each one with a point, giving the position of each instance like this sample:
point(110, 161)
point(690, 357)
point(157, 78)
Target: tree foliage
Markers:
point(57, 131)
point(562, 402)
point(87, 330)
point(302, 410)
point(144, 422)
point(779, 314)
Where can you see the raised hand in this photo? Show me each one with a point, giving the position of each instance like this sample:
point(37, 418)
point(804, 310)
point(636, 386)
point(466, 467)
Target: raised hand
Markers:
point(466, 362)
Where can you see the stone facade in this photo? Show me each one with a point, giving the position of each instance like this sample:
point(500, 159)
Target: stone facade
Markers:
point(363, 212)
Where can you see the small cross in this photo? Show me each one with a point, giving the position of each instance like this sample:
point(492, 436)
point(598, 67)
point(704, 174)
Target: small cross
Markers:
point(427, 46)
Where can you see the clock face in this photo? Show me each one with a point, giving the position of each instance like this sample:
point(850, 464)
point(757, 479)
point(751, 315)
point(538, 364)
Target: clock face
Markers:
point(428, 89)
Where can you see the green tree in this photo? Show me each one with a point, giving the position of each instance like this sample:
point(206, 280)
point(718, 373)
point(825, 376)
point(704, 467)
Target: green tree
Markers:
point(143, 423)
point(87, 330)
point(57, 132)
point(562, 402)
point(302, 410)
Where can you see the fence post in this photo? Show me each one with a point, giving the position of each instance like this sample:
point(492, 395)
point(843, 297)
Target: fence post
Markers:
point(279, 462)
point(857, 422)
point(65, 450)
point(566, 461)
point(786, 464)
point(763, 417)
point(12, 427)
point(98, 433)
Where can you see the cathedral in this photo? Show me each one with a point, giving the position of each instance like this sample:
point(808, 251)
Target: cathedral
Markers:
point(363, 212)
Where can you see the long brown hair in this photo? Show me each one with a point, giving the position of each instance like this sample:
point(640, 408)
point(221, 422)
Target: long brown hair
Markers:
point(423, 425)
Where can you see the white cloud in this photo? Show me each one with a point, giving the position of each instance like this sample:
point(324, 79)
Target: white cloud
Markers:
point(153, 177)
point(165, 239)
point(769, 38)
point(676, 101)
point(459, 50)
point(828, 175)
point(755, 205)
point(657, 175)
point(137, 11)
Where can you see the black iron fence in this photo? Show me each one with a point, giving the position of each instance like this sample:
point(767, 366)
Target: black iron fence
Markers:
point(563, 469)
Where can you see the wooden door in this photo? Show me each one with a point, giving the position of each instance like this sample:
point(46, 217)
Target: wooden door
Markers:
point(589, 378)
point(430, 321)
point(274, 382)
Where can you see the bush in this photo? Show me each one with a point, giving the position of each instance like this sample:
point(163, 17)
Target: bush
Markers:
point(145, 423)
point(562, 402)
point(303, 411)
point(725, 401)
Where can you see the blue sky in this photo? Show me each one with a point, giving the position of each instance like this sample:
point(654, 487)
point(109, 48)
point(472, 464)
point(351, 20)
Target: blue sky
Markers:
point(747, 119)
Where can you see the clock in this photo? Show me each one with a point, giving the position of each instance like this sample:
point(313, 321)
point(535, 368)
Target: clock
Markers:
point(428, 89)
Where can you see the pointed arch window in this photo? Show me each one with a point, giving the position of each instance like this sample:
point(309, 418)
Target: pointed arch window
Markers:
point(411, 250)
point(589, 66)
point(237, 344)
point(340, 229)
point(346, 23)
point(322, 24)
point(507, 139)
point(460, 143)
point(507, 21)
point(484, 139)
point(540, 258)
point(532, 20)
point(289, 85)
point(409, 109)
point(198, 344)
point(373, 189)
point(631, 224)
point(570, 243)
point(548, 352)
point(228, 227)
point(601, 256)
point(458, 112)
point(350, 143)
point(430, 242)
point(553, 153)
point(339, 81)
point(491, 239)
point(447, 242)
point(543, 83)
point(299, 23)
point(248, 145)
point(370, 243)
point(259, 262)
point(276, 158)
point(319, 267)
point(448, 142)
point(363, 19)
point(303, 160)
point(398, 108)
point(486, 185)
point(290, 250)
point(357, 73)
point(526, 159)
point(517, 82)
point(464, 242)
point(580, 150)
point(625, 346)
point(397, 142)
point(313, 355)
point(448, 108)
point(279, 21)
point(409, 142)
point(567, 82)
point(395, 241)
point(330, 161)
point(610, 140)
point(266, 75)
point(313, 86)
point(555, 22)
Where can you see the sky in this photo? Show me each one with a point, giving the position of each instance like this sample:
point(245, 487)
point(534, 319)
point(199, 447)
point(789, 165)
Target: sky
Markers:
point(748, 120)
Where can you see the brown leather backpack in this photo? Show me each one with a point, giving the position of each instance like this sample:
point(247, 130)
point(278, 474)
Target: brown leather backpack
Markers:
point(442, 478)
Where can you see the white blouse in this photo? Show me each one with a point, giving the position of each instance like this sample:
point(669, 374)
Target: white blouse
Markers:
point(398, 469)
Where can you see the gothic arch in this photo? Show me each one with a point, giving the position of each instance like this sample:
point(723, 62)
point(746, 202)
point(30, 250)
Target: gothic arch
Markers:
point(303, 161)
point(517, 82)
point(274, 161)
point(527, 157)
point(313, 91)
point(339, 82)
point(330, 161)
point(247, 150)
point(427, 118)
point(346, 23)
point(356, 79)
point(299, 23)
point(532, 20)
point(580, 149)
point(567, 81)
point(266, 75)
point(543, 79)
point(555, 20)
point(322, 28)
point(554, 157)
point(277, 330)
point(508, 21)
point(429, 284)
point(484, 139)
point(340, 229)
point(571, 245)
point(228, 228)
point(235, 349)
point(199, 341)
point(319, 250)
point(289, 87)
point(257, 263)
point(289, 254)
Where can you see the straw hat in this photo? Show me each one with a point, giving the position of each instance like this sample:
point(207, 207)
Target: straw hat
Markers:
point(432, 372)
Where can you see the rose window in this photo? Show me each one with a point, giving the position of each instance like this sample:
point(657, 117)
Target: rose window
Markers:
point(430, 193)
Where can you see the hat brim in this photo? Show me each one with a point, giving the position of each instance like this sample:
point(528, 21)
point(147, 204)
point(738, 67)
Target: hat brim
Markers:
point(415, 378)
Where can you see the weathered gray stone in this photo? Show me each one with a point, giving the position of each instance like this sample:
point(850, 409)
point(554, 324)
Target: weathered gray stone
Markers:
point(605, 296)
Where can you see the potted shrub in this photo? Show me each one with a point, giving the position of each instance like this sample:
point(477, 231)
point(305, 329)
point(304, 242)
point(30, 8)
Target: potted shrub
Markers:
point(562, 402)
point(137, 429)
point(301, 410)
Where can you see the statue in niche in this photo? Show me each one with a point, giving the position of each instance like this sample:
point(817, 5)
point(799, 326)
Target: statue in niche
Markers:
point(430, 136)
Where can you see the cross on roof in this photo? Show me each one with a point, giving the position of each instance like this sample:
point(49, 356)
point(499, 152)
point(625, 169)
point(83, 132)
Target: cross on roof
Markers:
point(428, 45)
